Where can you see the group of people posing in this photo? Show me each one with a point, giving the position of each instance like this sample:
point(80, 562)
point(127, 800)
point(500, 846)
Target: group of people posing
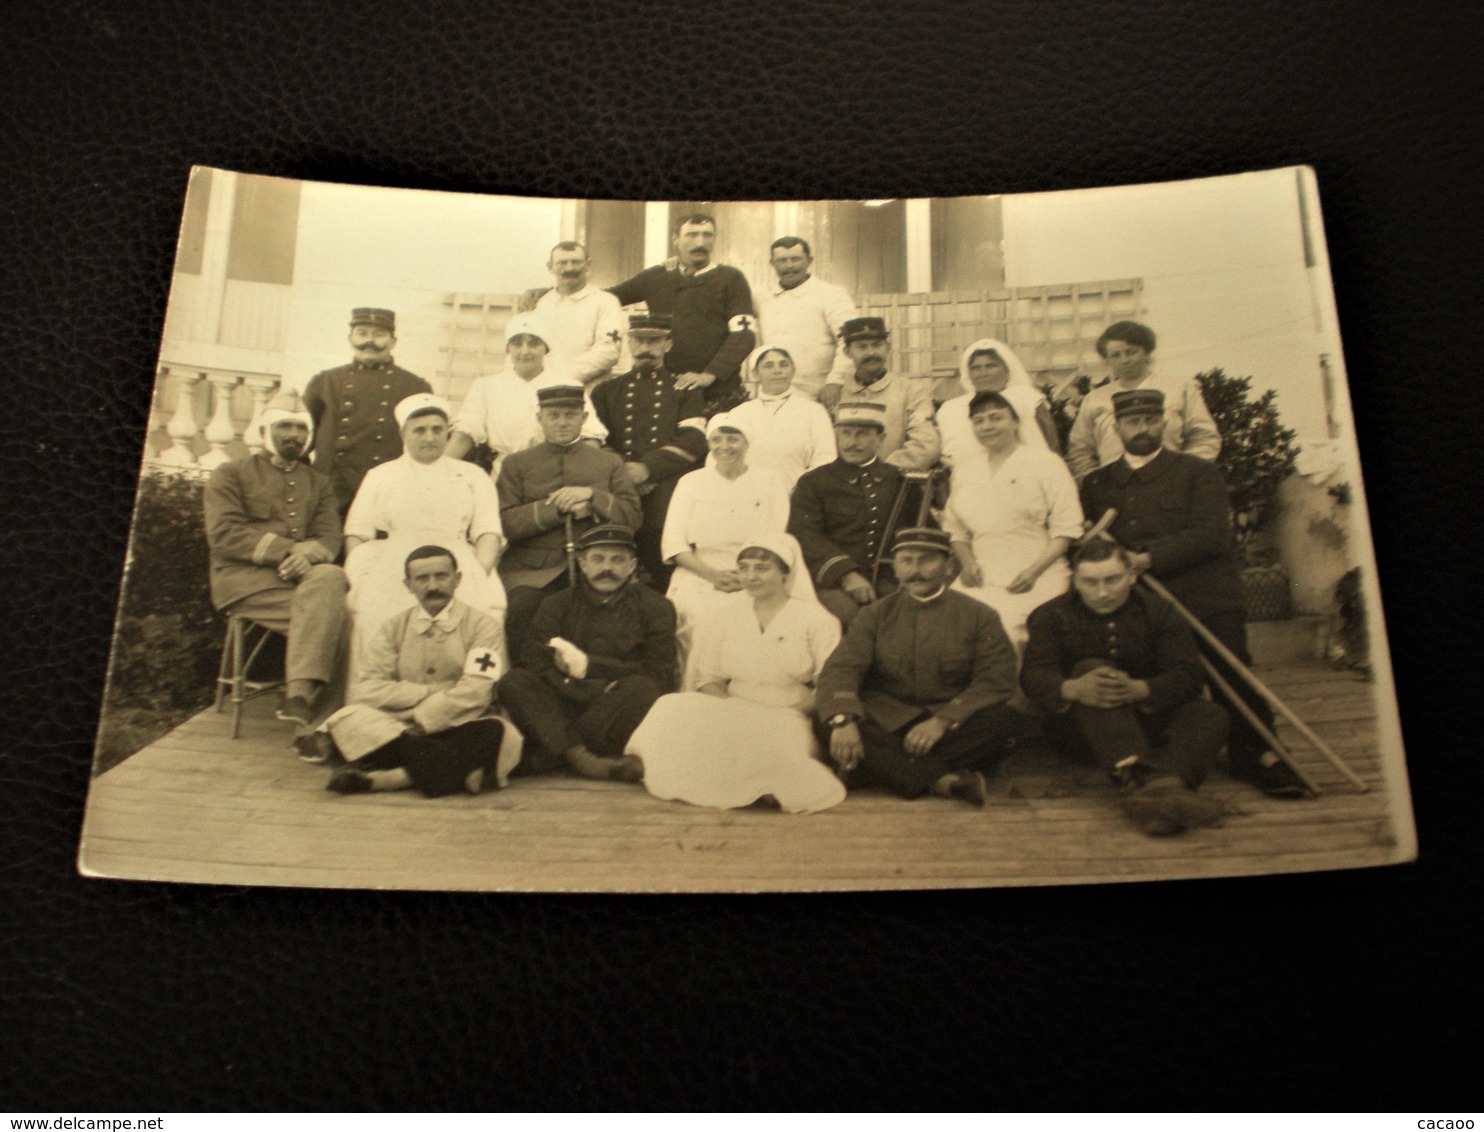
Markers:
point(732, 573)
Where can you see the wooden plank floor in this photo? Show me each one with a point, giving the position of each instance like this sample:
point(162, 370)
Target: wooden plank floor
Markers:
point(195, 806)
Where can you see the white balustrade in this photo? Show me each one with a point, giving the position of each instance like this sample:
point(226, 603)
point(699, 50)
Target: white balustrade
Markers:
point(219, 430)
point(182, 426)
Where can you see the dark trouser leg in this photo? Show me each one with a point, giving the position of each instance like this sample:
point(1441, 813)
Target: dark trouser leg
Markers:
point(520, 607)
point(647, 537)
point(542, 716)
point(1245, 744)
point(439, 764)
point(1195, 733)
point(978, 744)
point(608, 722)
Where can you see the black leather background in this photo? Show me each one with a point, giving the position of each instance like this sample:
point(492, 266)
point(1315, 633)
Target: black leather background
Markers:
point(1347, 990)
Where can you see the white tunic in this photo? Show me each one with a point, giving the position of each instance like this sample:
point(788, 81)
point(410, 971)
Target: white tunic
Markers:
point(730, 752)
point(1009, 517)
point(447, 503)
point(806, 321)
point(1189, 426)
point(715, 517)
point(788, 435)
point(586, 330)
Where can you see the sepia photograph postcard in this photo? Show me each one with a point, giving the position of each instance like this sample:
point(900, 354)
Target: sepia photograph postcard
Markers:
point(508, 544)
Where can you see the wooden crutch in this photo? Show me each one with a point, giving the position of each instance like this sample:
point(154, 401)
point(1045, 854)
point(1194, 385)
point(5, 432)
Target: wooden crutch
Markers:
point(1257, 686)
point(1158, 587)
point(1275, 744)
point(571, 550)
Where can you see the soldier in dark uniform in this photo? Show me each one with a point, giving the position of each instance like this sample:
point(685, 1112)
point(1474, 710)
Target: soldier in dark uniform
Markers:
point(591, 664)
point(1174, 516)
point(657, 429)
point(1116, 673)
point(560, 488)
point(710, 305)
point(842, 514)
point(352, 405)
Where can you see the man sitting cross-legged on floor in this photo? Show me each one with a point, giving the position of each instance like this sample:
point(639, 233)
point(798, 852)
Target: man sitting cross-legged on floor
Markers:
point(418, 715)
point(593, 661)
point(1117, 673)
point(916, 698)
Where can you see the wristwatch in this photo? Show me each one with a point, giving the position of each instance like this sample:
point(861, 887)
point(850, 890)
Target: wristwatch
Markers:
point(841, 719)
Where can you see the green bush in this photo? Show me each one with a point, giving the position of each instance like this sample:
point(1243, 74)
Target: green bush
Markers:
point(1257, 453)
point(168, 640)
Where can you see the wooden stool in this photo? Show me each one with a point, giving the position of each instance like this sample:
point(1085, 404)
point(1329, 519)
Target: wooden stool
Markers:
point(234, 684)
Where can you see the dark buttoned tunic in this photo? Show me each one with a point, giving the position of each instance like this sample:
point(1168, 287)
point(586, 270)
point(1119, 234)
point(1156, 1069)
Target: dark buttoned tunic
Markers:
point(255, 512)
point(536, 530)
point(1176, 509)
point(713, 324)
point(354, 429)
point(949, 656)
point(1143, 637)
point(841, 516)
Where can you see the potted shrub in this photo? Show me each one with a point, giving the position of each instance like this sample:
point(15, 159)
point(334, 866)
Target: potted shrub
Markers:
point(1257, 455)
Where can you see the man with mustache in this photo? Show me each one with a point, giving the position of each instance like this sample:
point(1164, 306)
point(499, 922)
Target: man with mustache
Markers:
point(803, 313)
point(658, 429)
point(548, 492)
point(1116, 673)
point(592, 663)
point(273, 530)
point(352, 404)
point(846, 514)
point(1174, 516)
point(710, 307)
point(911, 441)
point(585, 324)
point(916, 698)
point(418, 715)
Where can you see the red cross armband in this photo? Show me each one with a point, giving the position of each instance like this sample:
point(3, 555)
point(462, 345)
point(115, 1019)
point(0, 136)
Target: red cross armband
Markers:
point(741, 322)
point(483, 663)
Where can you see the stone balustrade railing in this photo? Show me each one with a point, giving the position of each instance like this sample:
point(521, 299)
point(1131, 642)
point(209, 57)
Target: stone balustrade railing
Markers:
point(207, 415)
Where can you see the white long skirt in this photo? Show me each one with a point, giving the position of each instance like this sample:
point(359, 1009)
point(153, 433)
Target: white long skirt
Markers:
point(728, 753)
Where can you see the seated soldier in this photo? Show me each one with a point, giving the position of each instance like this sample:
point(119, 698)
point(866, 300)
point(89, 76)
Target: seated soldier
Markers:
point(273, 528)
point(1173, 513)
point(549, 494)
point(846, 514)
point(916, 698)
point(593, 661)
point(1116, 671)
point(418, 715)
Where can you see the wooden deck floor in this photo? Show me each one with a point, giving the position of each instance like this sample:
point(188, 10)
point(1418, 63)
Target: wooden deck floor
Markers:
point(198, 807)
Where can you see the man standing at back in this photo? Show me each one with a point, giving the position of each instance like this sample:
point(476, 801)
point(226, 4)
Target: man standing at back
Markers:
point(710, 310)
point(352, 404)
point(804, 314)
point(584, 324)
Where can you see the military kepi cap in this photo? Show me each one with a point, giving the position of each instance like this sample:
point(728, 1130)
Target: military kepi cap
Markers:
point(649, 324)
point(868, 327)
point(1131, 401)
point(560, 397)
point(922, 538)
point(861, 413)
point(374, 316)
point(606, 534)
